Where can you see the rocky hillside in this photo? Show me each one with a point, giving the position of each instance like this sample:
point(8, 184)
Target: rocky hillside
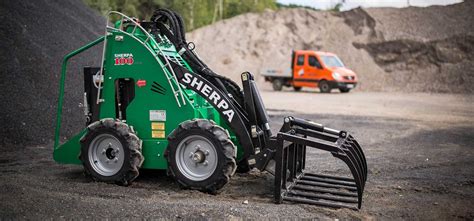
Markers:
point(412, 49)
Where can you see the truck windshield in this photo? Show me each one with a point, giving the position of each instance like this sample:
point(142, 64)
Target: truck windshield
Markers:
point(332, 61)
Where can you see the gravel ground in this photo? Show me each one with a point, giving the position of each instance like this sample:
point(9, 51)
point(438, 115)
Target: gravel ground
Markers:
point(419, 168)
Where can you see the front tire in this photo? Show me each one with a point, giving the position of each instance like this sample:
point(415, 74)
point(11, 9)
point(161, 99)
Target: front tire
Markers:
point(297, 88)
point(201, 156)
point(324, 86)
point(111, 152)
point(344, 90)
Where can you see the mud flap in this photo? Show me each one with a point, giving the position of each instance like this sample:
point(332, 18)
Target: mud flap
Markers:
point(292, 183)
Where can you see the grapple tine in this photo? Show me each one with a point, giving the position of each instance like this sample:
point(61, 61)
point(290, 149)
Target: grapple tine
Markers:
point(357, 147)
point(318, 189)
point(355, 174)
point(357, 161)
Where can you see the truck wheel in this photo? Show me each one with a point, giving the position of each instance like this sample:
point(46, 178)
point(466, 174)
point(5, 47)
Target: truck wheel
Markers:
point(344, 90)
point(297, 88)
point(277, 84)
point(111, 152)
point(324, 86)
point(201, 156)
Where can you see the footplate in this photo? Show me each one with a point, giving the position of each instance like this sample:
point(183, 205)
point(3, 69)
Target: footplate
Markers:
point(292, 183)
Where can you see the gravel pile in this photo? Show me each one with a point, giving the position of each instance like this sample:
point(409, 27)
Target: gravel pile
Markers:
point(34, 37)
point(410, 49)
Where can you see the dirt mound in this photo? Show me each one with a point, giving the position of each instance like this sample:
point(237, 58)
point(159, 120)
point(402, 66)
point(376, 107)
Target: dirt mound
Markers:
point(441, 66)
point(431, 47)
point(254, 42)
point(423, 24)
point(34, 37)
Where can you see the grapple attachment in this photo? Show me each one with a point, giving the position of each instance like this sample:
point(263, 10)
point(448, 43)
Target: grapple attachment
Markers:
point(292, 183)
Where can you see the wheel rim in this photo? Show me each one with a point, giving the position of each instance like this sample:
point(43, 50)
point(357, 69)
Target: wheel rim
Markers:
point(106, 155)
point(324, 86)
point(196, 158)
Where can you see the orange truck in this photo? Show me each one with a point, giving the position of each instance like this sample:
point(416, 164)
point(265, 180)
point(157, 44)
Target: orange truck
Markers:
point(313, 69)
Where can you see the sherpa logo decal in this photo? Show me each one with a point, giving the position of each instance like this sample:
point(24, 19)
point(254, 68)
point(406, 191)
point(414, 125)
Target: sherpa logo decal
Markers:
point(210, 93)
point(122, 59)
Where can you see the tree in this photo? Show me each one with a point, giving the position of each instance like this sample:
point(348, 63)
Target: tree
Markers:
point(196, 13)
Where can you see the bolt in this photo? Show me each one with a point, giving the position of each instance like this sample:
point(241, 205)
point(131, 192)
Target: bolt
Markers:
point(205, 163)
point(116, 160)
point(197, 147)
point(108, 161)
point(191, 155)
point(103, 151)
point(206, 152)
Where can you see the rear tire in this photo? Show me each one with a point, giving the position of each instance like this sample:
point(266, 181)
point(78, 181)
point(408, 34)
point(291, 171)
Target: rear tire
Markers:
point(201, 156)
point(277, 84)
point(297, 88)
point(111, 152)
point(344, 90)
point(324, 86)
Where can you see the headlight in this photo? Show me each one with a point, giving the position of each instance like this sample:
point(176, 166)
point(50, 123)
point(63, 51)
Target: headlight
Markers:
point(336, 75)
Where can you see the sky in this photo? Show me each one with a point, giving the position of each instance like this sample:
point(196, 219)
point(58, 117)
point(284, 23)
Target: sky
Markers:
point(349, 4)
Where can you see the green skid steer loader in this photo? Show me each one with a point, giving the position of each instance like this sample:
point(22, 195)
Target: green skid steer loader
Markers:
point(154, 104)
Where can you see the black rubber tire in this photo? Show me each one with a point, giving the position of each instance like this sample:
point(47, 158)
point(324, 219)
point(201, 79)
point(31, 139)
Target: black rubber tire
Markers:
point(324, 86)
point(132, 145)
point(297, 88)
point(344, 90)
point(277, 84)
point(226, 152)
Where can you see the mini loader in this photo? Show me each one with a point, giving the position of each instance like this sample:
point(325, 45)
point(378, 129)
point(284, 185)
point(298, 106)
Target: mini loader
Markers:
point(154, 104)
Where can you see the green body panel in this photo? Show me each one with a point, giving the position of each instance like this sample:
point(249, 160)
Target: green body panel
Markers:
point(144, 68)
point(69, 151)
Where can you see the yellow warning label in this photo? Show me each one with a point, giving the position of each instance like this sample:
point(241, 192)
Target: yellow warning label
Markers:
point(158, 134)
point(157, 125)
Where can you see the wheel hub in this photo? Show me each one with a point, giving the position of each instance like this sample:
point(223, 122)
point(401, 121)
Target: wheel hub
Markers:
point(196, 157)
point(105, 155)
point(111, 153)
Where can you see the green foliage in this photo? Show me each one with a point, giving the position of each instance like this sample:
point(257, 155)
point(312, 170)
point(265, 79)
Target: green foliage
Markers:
point(196, 13)
point(337, 7)
point(283, 6)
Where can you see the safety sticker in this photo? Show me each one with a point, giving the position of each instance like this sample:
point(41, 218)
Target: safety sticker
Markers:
point(157, 134)
point(157, 126)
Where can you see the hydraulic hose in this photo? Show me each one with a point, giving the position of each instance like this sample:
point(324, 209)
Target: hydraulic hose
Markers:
point(176, 34)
